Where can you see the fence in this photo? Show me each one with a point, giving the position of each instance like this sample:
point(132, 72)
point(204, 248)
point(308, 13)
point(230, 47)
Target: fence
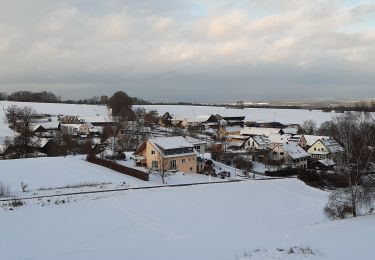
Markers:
point(118, 167)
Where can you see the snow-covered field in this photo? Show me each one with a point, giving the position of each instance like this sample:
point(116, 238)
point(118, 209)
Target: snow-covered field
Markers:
point(217, 221)
point(252, 114)
point(51, 109)
point(46, 175)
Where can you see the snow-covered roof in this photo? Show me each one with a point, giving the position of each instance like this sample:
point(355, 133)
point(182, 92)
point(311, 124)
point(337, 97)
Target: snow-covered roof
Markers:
point(311, 139)
point(232, 129)
point(332, 145)
point(194, 141)
point(238, 137)
point(260, 131)
point(327, 162)
point(40, 142)
point(173, 142)
point(290, 130)
point(47, 125)
point(294, 150)
point(278, 138)
point(262, 140)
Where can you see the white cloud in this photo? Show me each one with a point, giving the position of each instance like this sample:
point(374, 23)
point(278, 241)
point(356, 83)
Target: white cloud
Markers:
point(136, 40)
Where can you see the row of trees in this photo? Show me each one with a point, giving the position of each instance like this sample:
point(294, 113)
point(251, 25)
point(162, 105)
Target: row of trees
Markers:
point(27, 96)
point(49, 97)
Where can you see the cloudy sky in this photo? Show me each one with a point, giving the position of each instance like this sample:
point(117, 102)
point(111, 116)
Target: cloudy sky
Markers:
point(208, 50)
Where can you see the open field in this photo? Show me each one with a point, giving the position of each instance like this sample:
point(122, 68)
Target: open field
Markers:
point(218, 221)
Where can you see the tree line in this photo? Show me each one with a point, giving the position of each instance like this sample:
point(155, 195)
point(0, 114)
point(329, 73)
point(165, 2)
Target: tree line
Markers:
point(49, 97)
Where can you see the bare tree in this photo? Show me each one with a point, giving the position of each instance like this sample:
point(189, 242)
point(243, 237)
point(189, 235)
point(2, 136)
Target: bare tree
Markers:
point(162, 170)
point(356, 132)
point(20, 120)
point(309, 127)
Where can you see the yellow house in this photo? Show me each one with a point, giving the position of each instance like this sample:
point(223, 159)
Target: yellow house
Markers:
point(167, 153)
point(325, 149)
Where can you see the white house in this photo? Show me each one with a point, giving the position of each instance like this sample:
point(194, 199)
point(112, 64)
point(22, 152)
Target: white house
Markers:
point(250, 131)
point(291, 154)
point(258, 142)
point(199, 145)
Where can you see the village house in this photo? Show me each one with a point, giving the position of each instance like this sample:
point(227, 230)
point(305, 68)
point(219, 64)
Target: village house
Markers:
point(251, 131)
point(98, 120)
point(229, 130)
point(235, 142)
point(277, 139)
point(258, 142)
point(88, 129)
point(307, 141)
point(167, 153)
point(290, 154)
point(199, 145)
point(299, 139)
point(215, 121)
point(325, 149)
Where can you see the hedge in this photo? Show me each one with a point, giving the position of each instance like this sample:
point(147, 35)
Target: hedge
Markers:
point(118, 167)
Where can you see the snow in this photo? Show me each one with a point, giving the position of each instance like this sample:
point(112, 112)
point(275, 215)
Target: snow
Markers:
point(260, 131)
point(332, 145)
point(286, 116)
point(59, 172)
point(50, 109)
point(55, 172)
point(171, 142)
point(294, 150)
point(218, 221)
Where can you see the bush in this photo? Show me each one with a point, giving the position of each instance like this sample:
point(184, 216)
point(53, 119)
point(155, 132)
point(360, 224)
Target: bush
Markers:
point(4, 191)
point(16, 203)
point(337, 211)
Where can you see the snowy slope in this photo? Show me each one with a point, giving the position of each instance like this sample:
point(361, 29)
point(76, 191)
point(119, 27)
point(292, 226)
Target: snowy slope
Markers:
point(219, 221)
point(57, 172)
point(51, 109)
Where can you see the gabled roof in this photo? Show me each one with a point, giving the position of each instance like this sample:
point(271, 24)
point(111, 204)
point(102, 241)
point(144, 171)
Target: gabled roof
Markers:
point(260, 131)
point(311, 139)
point(53, 125)
point(261, 140)
point(327, 162)
point(194, 141)
point(290, 130)
point(294, 150)
point(174, 142)
point(278, 138)
point(332, 145)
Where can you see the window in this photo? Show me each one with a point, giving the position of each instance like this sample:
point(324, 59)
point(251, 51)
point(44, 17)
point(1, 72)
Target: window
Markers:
point(197, 148)
point(155, 164)
point(153, 152)
point(282, 153)
point(191, 169)
point(183, 160)
point(173, 164)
